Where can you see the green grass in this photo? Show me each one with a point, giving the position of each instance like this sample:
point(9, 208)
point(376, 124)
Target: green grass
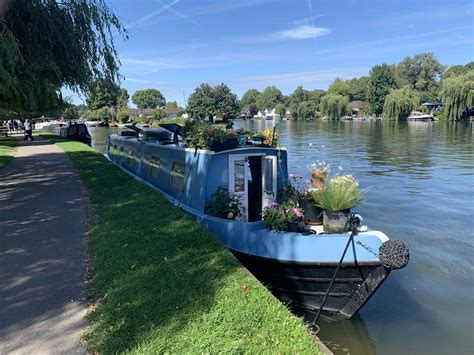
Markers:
point(159, 282)
point(7, 147)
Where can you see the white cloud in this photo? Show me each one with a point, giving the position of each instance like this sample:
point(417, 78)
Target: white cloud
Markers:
point(307, 20)
point(304, 32)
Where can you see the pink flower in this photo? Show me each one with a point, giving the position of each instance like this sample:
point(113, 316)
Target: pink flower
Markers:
point(297, 212)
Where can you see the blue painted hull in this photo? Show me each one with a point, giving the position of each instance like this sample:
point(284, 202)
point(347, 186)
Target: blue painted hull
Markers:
point(296, 268)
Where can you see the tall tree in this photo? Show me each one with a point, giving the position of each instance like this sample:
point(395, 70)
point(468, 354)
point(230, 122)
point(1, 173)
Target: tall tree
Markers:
point(358, 88)
point(149, 98)
point(122, 99)
point(457, 94)
point(249, 98)
point(307, 110)
point(399, 103)
point(269, 98)
point(334, 106)
point(381, 82)
point(423, 73)
point(103, 93)
point(45, 45)
point(339, 87)
point(210, 102)
point(280, 110)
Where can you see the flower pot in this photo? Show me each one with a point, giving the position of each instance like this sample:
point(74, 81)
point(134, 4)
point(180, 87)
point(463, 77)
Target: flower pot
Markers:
point(293, 227)
point(229, 143)
point(313, 215)
point(336, 221)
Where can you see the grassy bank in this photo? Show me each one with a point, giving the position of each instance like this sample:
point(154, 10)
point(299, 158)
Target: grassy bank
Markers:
point(7, 147)
point(162, 283)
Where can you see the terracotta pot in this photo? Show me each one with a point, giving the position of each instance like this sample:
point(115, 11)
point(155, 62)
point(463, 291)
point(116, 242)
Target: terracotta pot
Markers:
point(336, 221)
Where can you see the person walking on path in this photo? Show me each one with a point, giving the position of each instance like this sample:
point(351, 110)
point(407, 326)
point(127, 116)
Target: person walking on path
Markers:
point(28, 130)
point(42, 267)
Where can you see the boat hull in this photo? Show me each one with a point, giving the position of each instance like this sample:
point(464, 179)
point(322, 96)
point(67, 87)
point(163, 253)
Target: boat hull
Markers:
point(304, 285)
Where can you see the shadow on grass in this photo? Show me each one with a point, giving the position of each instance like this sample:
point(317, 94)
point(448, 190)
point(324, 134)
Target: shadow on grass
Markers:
point(153, 266)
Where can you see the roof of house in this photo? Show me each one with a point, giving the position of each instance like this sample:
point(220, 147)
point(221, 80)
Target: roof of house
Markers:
point(357, 104)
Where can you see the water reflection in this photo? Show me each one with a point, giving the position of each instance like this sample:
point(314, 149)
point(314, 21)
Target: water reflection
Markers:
point(419, 178)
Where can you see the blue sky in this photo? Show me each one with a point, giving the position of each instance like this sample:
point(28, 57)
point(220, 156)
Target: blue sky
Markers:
point(175, 45)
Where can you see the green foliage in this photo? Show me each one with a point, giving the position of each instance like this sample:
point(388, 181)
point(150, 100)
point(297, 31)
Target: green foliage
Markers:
point(172, 105)
point(168, 285)
point(334, 106)
point(46, 45)
point(399, 103)
point(103, 93)
point(358, 88)
point(339, 87)
point(71, 113)
point(180, 112)
point(249, 98)
point(269, 98)
point(422, 72)
point(296, 98)
point(457, 94)
point(149, 98)
point(224, 204)
point(277, 216)
point(307, 110)
point(102, 114)
point(122, 99)
point(381, 81)
point(159, 114)
point(210, 102)
point(123, 116)
point(337, 194)
point(280, 110)
point(7, 148)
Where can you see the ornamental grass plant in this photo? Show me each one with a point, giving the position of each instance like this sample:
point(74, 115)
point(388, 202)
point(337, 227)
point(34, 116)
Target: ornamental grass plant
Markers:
point(338, 194)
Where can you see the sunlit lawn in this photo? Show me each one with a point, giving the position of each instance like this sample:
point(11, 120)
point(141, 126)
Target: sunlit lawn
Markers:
point(159, 282)
point(7, 147)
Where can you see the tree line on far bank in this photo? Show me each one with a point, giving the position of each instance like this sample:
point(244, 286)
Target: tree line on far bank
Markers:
point(389, 90)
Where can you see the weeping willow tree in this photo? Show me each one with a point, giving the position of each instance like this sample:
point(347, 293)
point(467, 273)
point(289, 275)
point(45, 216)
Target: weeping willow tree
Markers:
point(45, 45)
point(399, 103)
point(457, 94)
point(334, 106)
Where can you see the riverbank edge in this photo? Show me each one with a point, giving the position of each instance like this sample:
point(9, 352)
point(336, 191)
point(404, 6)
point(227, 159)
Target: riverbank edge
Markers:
point(228, 310)
point(8, 147)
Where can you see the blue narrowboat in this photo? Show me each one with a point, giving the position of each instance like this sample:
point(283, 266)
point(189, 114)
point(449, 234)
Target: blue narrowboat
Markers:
point(303, 271)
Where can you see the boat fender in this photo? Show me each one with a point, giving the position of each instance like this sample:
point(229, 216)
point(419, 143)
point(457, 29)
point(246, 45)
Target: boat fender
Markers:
point(394, 254)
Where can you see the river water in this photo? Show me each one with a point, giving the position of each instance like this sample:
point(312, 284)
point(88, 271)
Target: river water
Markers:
point(419, 181)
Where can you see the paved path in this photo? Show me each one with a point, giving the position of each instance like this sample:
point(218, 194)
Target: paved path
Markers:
point(42, 228)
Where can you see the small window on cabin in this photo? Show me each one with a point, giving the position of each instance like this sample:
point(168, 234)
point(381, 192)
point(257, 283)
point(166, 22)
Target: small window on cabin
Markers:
point(121, 150)
point(177, 176)
point(268, 176)
point(239, 176)
point(154, 166)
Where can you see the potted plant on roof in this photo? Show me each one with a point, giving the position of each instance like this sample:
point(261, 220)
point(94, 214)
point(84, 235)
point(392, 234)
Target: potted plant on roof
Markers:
point(336, 198)
point(282, 217)
point(313, 214)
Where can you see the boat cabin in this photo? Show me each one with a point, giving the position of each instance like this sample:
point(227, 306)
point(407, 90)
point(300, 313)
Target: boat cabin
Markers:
point(191, 176)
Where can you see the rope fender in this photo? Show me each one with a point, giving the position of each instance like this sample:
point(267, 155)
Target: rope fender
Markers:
point(394, 254)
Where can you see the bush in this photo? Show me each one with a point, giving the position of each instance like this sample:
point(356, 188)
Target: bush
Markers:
point(123, 116)
point(334, 106)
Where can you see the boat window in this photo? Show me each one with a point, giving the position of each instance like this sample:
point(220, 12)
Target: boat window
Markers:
point(154, 166)
point(239, 176)
point(177, 176)
point(268, 176)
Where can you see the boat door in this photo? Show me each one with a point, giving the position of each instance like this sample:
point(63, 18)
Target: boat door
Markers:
point(238, 182)
point(269, 180)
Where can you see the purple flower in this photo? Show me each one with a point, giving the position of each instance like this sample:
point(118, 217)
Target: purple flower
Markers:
point(297, 212)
